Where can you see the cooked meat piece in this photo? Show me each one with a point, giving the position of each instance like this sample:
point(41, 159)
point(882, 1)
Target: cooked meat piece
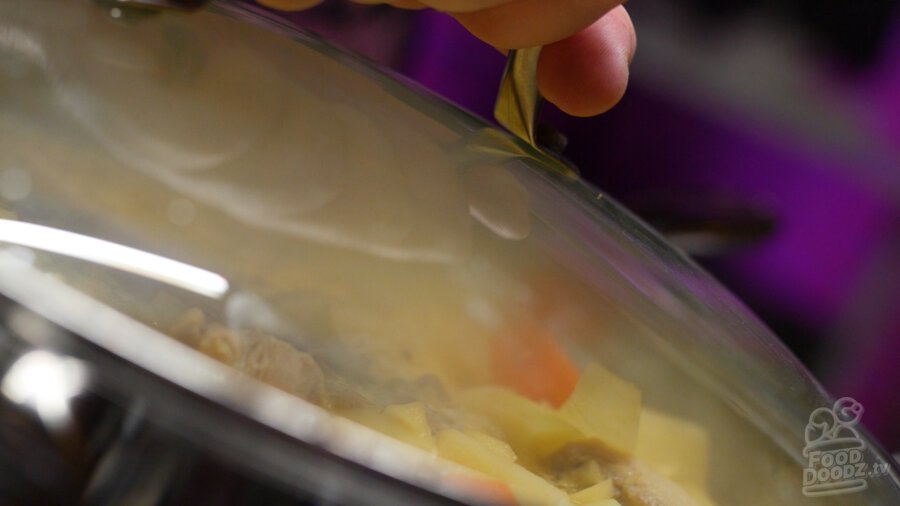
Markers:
point(642, 486)
point(212, 339)
point(260, 355)
point(635, 483)
point(577, 477)
point(220, 343)
point(279, 364)
point(189, 327)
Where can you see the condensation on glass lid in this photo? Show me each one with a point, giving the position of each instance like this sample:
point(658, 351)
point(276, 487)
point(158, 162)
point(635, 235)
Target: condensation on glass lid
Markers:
point(304, 158)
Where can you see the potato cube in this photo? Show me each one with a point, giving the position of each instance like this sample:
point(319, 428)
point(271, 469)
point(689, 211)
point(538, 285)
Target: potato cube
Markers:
point(533, 430)
point(674, 447)
point(399, 422)
point(605, 407)
point(598, 492)
point(493, 444)
point(413, 424)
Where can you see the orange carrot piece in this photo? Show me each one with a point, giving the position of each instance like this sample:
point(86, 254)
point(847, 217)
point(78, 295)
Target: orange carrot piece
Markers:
point(532, 363)
point(484, 490)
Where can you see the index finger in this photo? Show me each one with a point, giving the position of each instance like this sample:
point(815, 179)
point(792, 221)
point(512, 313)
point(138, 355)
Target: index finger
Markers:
point(526, 23)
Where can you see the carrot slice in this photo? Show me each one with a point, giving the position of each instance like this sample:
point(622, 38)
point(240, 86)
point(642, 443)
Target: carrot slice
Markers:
point(531, 362)
point(484, 489)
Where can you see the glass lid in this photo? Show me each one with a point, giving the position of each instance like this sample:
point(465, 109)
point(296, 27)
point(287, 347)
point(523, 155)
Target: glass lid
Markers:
point(261, 219)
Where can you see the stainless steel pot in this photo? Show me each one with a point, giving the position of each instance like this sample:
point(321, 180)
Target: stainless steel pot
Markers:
point(291, 194)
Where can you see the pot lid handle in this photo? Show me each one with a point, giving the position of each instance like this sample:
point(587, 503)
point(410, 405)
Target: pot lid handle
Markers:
point(519, 101)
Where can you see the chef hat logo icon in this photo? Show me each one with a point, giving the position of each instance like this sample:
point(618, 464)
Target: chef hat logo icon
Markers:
point(834, 428)
point(834, 449)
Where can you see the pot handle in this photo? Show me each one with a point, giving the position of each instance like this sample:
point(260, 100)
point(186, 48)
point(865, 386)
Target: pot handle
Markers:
point(519, 101)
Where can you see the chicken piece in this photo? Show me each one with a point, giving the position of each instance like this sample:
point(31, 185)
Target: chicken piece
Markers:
point(641, 486)
point(220, 343)
point(211, 339)
point(279, 364)
point(259, 355)
point(635, 483)
point(189, 327)
point(576, 477)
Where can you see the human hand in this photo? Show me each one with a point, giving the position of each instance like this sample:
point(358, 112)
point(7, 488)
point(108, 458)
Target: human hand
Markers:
point(587, 44)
